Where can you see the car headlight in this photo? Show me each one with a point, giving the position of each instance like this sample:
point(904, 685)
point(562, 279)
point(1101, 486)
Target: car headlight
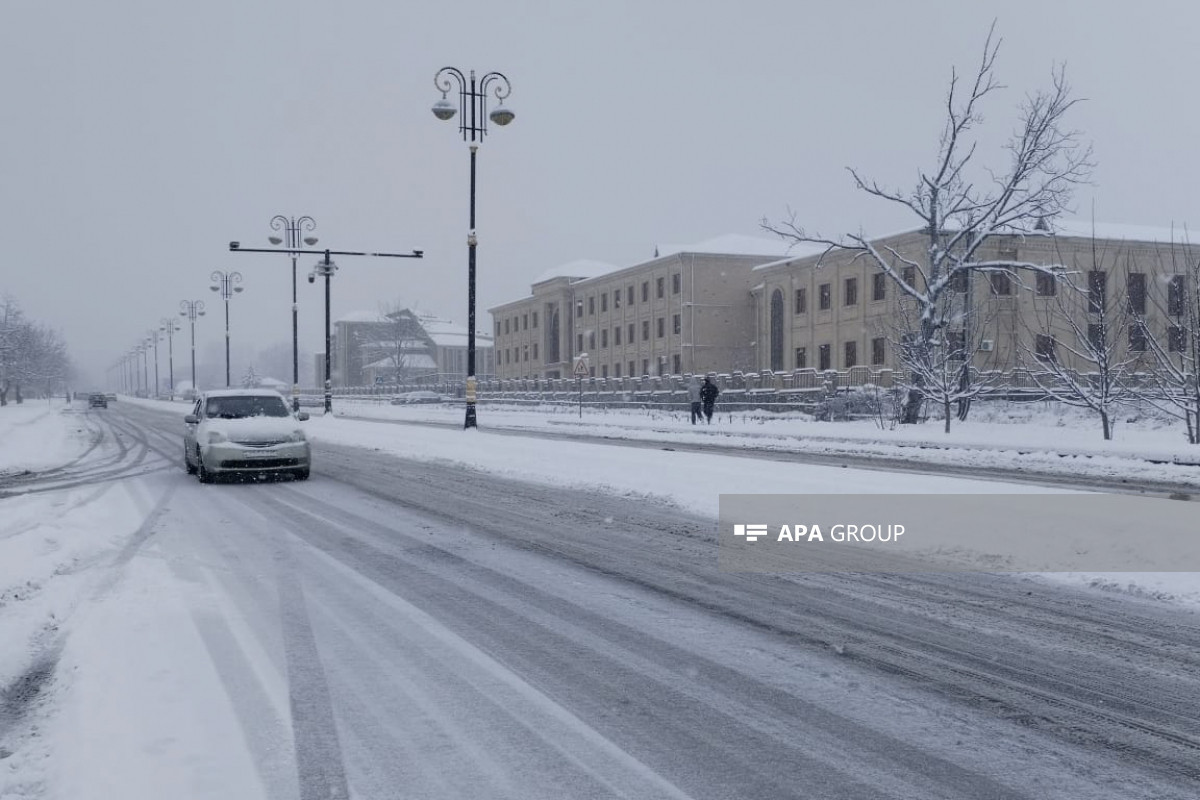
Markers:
point(216, 436)
point(297, 436)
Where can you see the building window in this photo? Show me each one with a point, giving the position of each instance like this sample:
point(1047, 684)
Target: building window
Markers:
point(1137, 338)
point(507, 360)
point(645, 291)
point(578, 309)
point(629, 293)
point(604, 370)
point(660, 288)
point(579, 343)
point(850, 292)
point(1095, 334)
point(676, 364)
point(592, 306)
point(617, 336)
point(776, 352)
point(661, 326)
point(850, 355)
point(645, 330)
point(801, 358)
point(801, 301)
point(506, 325)
point(526, 353)
point(677, 324)
point(1175, 296)
point(604, 338)
point(1176, 340)
point(956, 345)
point(909, 276)
point(617, 370)
point(1047, 285)
point(878, 287)
point(591, 340)
point(535, 355)
point(645, 366)
point(958, 281)
point(878, 350)
point(824, 297)
point(1043, 347)
point(525, 322)
point(604, 302)
point(631, 338)
point(676, 285)
point(1001, 283)
point(823, 357)
point(535, 319)
point(631, 369)
point(616, 305)
point(497, 327)
point(1097, 289)
point(1135, 289)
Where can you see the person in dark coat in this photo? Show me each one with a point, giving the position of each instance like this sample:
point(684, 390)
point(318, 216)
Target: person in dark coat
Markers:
point(708, 396)
point(693, 390)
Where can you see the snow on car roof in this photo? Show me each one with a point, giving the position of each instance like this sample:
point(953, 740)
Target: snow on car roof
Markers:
point(242, 393)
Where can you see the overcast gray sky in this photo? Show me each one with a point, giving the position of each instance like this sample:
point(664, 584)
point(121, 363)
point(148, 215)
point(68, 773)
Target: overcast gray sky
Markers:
point(139, 138)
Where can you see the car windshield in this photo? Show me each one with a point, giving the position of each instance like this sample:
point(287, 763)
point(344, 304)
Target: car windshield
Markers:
point(245, 406)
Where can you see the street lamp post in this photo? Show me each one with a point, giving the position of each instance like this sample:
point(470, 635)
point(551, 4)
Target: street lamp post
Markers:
point(292, 229)
point(144, 349)
point(326, 268)
point(472, 103)
point(154, 338)
point(192, 309)
point(226, 284)
point(168, 324)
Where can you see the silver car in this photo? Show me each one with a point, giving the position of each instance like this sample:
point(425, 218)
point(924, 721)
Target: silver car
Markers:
point(253, 431)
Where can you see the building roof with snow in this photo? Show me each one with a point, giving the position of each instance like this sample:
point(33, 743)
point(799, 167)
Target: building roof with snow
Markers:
point(731, 244)
point(576, 270)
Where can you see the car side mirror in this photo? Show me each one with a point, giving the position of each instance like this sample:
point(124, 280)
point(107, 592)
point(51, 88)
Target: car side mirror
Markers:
point(191, 419)
point(302, 416)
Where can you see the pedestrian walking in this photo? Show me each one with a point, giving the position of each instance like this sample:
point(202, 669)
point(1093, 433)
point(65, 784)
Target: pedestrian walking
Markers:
point(694, 397)
point(708, 397)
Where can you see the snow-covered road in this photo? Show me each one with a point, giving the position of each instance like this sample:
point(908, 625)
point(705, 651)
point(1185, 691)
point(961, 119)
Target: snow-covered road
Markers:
point(400, 628)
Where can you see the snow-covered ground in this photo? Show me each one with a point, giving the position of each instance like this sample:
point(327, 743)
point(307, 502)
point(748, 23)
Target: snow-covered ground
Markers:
point(61, 554)
point(1030, 436)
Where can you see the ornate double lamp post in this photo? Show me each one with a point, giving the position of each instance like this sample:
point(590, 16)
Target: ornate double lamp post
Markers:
point(227, 284)
point(192, 309)
point(473, 116)
point(171, 327)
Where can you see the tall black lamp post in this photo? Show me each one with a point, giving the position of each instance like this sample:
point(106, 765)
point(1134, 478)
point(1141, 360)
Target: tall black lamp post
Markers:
point(192, 309)
point(293, 229)
point(227, 284)
point(473, 116)
point(169, 325)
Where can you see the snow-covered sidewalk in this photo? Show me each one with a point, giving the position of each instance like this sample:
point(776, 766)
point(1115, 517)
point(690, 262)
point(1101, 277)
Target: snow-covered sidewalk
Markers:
point(1032, 437)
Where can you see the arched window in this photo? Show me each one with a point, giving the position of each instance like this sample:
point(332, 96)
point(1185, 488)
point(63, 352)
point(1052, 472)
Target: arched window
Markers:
point(776, 330)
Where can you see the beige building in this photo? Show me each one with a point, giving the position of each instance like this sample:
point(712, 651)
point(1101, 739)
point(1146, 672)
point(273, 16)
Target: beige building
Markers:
point(1123, 283)
point(687, 310)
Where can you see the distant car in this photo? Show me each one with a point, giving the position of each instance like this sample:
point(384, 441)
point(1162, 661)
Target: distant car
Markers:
point(409, 398)
point(97, 400)
point(244, 431)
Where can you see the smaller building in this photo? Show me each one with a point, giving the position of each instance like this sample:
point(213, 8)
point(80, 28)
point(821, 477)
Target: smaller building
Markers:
point(403, 346)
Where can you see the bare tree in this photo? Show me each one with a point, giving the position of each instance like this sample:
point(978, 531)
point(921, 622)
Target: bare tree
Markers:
point(962, 206)
point(31, 355)
point(1088, 342)
point(1175, 381)
point(946, 368)
point(402, 339)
